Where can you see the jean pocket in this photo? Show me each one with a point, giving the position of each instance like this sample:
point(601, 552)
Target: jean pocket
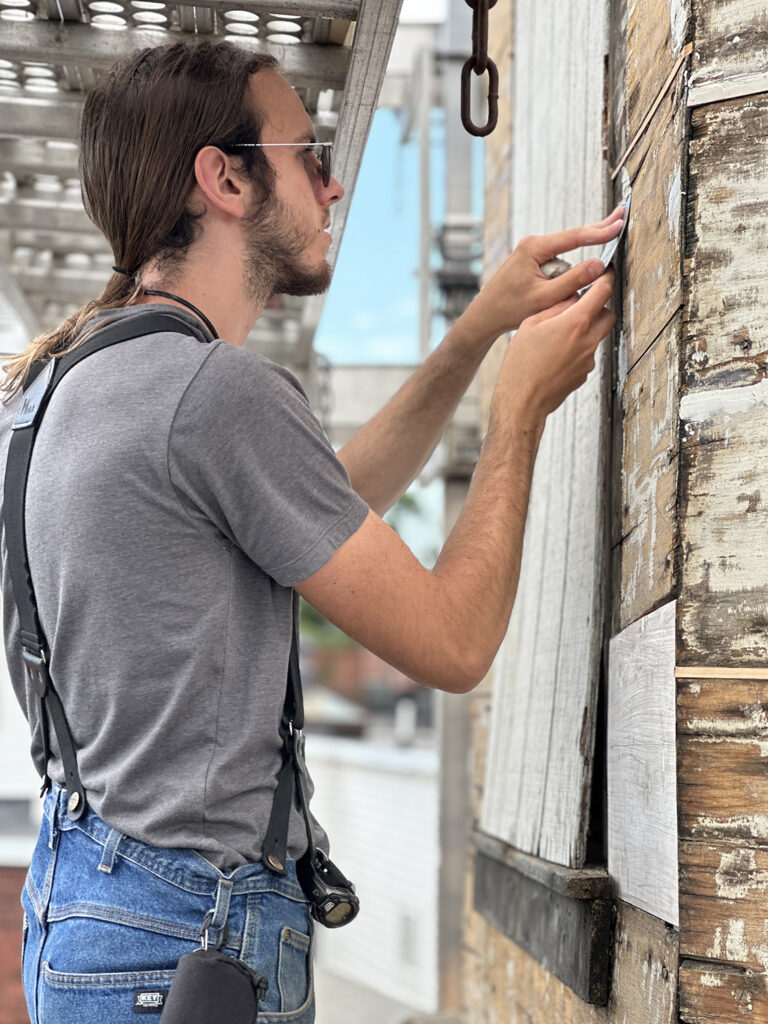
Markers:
point(99, 998)
point(294, 970)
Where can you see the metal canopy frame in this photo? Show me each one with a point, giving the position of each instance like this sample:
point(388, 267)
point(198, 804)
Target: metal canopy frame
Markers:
point(334, 53)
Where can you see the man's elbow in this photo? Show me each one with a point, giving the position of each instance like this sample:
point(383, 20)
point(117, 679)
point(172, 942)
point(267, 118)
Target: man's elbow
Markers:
point(465, 670)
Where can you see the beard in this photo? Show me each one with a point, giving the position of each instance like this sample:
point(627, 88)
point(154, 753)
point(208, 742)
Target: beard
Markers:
point(275, 263)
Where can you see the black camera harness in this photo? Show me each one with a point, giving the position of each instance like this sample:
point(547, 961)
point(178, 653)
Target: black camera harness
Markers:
point(330, 894)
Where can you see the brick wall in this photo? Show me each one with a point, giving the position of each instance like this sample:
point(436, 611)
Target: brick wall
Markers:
point(13, 1009)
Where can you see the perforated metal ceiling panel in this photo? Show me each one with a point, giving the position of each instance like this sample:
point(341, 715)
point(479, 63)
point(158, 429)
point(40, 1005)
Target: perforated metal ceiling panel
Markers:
point(51, 51)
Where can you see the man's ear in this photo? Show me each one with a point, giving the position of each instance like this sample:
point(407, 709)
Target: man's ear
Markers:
point(220, 184)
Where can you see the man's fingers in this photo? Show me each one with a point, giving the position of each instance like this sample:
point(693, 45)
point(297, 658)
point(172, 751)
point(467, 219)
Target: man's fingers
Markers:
point(546, 247)
point(574, 280)
point(592, 301)
point(552, 311)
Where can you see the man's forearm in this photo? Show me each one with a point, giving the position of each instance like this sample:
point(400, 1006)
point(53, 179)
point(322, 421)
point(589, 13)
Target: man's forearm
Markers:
point(386, 455)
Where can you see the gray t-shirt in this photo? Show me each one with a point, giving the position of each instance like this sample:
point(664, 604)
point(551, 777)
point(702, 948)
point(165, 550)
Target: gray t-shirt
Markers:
point(177, 491)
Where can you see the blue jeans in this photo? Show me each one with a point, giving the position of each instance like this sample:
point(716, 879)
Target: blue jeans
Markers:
point(107, 917)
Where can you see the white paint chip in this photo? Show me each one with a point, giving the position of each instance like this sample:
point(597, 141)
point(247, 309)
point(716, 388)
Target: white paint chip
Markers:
point(701, 406)
point(674, 202)
point(678, 22)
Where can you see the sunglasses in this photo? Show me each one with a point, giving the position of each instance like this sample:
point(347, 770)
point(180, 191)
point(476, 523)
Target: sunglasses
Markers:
point(321, 151)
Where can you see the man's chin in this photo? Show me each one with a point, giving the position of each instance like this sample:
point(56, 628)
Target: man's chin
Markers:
point(301, 282)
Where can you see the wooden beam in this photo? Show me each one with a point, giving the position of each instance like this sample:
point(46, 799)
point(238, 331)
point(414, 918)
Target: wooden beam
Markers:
point(574, 883)
point(74, 43)
point(571, 938)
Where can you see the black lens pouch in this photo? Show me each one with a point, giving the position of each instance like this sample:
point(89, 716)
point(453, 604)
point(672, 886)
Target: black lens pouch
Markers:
point(210, 986)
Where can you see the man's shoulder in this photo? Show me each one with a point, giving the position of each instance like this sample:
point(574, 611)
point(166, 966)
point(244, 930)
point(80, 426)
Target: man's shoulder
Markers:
point(241, 370)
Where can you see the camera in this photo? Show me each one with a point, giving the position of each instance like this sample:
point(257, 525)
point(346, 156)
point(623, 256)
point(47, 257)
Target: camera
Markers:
point(331, 896)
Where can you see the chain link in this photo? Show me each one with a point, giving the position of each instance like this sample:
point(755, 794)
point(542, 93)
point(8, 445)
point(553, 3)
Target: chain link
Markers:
point(480, 63)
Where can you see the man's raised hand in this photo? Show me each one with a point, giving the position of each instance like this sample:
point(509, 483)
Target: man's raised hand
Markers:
point(519, 288)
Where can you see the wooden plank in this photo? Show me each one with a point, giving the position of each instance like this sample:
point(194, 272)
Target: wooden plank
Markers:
point(723, 903)
point(642, 802)
point(723, 707)
point(712, 672)
point(571, 938)
point(723, 788)
point(723, 601)
point(717, 994)
point(727, 259)
point(539, 767)
point(649, 478)
point(652, 280)
point(656, 34)
point(573, 883)
point(731, 49)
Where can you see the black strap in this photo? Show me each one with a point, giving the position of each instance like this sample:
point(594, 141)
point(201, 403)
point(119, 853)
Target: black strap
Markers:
point(292, 777)
point(40, 385)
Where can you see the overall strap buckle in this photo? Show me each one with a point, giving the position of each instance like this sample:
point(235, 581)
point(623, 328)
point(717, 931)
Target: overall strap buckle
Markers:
point(37, 670)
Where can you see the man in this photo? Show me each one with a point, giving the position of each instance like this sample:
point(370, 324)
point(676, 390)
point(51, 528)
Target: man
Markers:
point(180, 492)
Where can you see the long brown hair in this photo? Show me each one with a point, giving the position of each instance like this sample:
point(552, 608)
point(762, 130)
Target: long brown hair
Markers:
point(142, 126)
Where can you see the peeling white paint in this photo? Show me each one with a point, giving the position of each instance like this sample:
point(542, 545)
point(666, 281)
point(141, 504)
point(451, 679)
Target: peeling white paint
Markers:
point(755, 825)
point(701, 406)
point(710, 980)
point(715, 951)
point(622, 361)
point(735, 944)
point(678, 22)
point(737, 870)
point(695, 689)
point(674, 201)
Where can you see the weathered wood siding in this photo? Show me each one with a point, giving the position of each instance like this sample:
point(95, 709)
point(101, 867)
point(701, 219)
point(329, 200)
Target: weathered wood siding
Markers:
point(690, 522)
point(539, 768)
point(723, 606)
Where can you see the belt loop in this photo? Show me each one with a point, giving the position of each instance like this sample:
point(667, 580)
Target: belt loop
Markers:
point(55, 796)
point(110, 851)
point(214, 930)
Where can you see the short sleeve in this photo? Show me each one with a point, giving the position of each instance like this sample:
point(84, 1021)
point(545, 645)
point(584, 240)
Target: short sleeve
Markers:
point(246, 450)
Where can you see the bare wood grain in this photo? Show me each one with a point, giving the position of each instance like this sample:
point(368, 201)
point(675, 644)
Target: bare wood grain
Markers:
point(649, 478)
point(718, 994)
point(723, 707)
point(723, 788)
point(656, 34)
point(652, 280)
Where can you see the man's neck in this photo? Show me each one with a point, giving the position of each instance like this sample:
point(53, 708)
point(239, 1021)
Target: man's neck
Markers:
point(216, 289)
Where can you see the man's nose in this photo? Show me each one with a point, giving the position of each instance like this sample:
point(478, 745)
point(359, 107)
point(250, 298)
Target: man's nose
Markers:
point(332, 192)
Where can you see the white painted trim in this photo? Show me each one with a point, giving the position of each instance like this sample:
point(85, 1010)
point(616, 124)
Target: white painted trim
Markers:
point(701, 406)
point(728, 89)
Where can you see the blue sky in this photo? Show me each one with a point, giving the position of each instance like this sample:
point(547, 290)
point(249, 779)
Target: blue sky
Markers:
point(371, 313)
